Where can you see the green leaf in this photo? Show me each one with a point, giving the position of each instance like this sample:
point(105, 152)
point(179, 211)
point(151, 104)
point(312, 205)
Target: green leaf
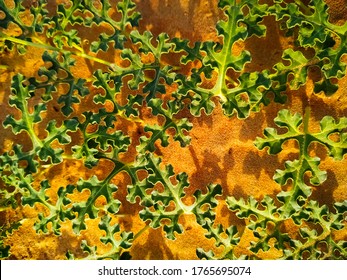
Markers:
point(10, 161)
point(180, 126)
point(236, 96)
point(205, 203)
point(118, 246)
point(166, 204)
point(19, 99)
point(104, 41)
point(104, 80)
point(297, 68)
point(200, 98)
point(52, 78)
point(264, 211)
point(275, 141)
point(309, 244)
point(102, 141)
point(69, 99)
point(96, 189)
point(329, 128)
point(296, 170)
point(259, 216)
point(146, 46)
point(315, 31)
point(56, 133)
point(58, 212)
point(229, 238)
point(11, 15)
point(192, 54)
point(129, 18)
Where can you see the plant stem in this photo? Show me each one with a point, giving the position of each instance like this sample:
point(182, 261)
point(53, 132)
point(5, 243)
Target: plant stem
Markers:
point(137, 235)
point(303, 7)
point(220, 86)
point(48, 47)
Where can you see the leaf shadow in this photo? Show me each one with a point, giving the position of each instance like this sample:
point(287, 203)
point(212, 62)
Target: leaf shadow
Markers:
point(154, 247)
point(324, 193)
point(321, 108)
point(184, 20)
point(128, 211)
point(67, 242)
point(7, 137)
point(209, 171)
point(254, 163)
point(266, 51)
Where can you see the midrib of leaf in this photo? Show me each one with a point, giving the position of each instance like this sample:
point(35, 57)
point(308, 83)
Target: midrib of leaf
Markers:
point(339, 30)
point(255, 105)
point(157, 77)
point(105, 18)
point(13, 18)
point(139, 233)
point(124, 19)
point(105, 182)
point(177, 199)
point(311, 242)
point(261, 213)
point(319, 139)
point(299, 178)
point(66, 20)
point(156, 135)
point(219, 88)
point(37, 143)
point(114, 251)
point(38, 194)
point(343, 250)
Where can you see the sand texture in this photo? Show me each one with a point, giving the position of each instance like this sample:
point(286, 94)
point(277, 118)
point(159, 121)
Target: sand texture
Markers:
point(222, 149)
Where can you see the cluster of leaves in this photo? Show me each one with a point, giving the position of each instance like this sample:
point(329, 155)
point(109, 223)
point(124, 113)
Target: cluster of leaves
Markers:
point(137, 83)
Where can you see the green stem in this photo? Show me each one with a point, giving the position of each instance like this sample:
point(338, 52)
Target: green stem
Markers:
point(307, 120)
point(137, 235)
point(220, 84)
point(37, 143)
point(303, 7)
point(176, 198)
point(298, 180)
point(310, 243)
point(48, 47)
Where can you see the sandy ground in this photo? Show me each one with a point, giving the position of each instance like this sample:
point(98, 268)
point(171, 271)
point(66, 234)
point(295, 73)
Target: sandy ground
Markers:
point(221, 151)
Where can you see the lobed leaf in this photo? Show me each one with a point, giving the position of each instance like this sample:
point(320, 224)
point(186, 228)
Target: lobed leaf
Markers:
point(167, 204)
point(96, 189)
point(180, 126)
point(315, 31)
point(229, 238)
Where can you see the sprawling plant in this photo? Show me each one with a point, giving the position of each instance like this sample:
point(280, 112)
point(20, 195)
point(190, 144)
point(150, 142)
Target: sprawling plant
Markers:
point(158, 98)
